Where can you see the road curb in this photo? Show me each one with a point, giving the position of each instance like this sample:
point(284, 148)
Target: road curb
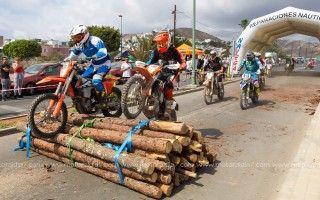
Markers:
point(8, 131)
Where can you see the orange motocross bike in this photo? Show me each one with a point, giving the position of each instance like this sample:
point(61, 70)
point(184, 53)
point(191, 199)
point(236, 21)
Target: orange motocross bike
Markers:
point(51, 110)
point(144, 92)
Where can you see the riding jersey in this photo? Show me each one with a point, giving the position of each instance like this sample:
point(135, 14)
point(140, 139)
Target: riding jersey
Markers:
point(214, 64)
point(171, 54)
point(251, 66)
point(93, 47)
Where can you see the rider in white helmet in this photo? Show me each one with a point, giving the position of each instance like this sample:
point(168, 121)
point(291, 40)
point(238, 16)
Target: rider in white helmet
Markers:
point(95, 50)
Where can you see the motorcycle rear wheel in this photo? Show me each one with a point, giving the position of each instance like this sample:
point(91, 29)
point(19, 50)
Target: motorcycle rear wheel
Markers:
point(243, 100)
point(115, 97)
point(40, 118)
point(132, 100)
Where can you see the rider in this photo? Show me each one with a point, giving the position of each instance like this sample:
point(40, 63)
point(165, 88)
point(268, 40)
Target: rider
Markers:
point(262, 61)
point(166, 52)
point(95, 50)
point(253, 67)
point(215, 64)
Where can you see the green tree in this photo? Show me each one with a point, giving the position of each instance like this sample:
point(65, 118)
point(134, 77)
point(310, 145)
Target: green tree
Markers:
point(142, 50)
point(23, 49)
point(244, 23)
point(182, 40)
point(276, 48)
point(110, 36)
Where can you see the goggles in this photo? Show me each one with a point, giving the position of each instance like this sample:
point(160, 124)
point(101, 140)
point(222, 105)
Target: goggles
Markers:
point(77, 37)
point(162, 44)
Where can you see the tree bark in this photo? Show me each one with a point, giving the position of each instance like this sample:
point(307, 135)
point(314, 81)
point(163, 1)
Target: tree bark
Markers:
point(142, 187)
point(84, 158)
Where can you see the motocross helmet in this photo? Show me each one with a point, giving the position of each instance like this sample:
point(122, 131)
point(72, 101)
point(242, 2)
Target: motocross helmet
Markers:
point(79, 35)
point(249, 55)
point(213, 54)
point(163, 41)
point(258, 54)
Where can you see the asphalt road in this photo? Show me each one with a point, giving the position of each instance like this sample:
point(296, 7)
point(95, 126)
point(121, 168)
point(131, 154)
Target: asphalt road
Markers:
point(253, 147)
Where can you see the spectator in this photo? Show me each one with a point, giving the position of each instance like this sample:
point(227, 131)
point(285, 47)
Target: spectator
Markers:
point(126, 69)
point(18, 74)
point(5, 79)
point(188, 69)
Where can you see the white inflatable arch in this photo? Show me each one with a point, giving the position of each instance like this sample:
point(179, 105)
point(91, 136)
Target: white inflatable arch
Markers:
point(263, 31)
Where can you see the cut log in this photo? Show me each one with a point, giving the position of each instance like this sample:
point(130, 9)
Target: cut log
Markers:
point(154, 156)
point(139, 186)
point(184, 141)
point(166, 189)
point(174, 159)
point(186, 172)
point(182, 177)
point(164, 178)
point(130, 161)
point(84, 158)
point(176, 180)
point(170, 127)
point(187, 165)
point(195, 146)
point(211, 156)
point(197, 136)
point(203, 161)
point(191, 157)
point(177, 148)
point(190, 132)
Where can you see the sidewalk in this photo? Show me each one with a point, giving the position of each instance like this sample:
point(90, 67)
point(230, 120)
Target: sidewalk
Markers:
point(302, 181)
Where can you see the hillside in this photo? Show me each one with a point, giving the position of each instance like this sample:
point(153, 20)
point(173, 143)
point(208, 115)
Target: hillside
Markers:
point(200, 36)
point(300, 48)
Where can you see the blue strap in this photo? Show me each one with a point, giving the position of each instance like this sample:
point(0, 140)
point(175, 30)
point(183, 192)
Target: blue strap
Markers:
point(26, 144)
point(127, 142)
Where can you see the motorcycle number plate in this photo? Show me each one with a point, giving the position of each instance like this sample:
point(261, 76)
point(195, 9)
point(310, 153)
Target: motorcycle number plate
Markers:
point(151, 68)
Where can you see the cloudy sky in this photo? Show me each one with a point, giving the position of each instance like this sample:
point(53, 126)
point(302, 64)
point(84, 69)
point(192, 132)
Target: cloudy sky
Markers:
point(53, 19)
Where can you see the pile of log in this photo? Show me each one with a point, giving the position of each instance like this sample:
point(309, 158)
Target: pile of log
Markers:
point(163, 154)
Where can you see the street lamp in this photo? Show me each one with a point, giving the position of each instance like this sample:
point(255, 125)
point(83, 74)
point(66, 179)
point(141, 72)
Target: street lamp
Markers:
point(121, 38)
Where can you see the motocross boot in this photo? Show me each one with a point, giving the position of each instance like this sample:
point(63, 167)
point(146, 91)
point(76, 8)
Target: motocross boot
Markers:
point(257, 91)
point(170, 106)
point(103, 98)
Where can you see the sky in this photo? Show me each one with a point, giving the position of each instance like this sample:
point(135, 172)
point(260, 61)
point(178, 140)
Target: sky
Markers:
point(53, 19)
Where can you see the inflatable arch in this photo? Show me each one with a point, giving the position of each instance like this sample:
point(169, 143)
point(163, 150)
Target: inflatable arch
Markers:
point(263, 31)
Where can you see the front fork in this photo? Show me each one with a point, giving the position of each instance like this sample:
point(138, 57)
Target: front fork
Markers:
point(60, 92)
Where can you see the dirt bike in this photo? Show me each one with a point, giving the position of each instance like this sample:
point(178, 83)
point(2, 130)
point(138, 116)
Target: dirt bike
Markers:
point(247, 91)
point(212, 87)
point(144, 92)
point(51, 110)
point(269, 66)
point(310, 65)
point(288, 68)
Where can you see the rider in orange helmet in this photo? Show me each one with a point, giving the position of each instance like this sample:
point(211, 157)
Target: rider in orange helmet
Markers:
point(166, 52)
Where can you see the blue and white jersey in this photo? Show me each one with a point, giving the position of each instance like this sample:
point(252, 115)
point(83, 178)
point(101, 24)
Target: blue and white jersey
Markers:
point(94, 47)
point(252, 66)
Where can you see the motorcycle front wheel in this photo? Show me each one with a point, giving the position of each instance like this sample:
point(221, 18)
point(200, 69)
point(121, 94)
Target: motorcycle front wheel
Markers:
point(243, 100)
point(220, 90)
point(41, 119)
point(114, 104)
point(132, 100)
point(207, 94)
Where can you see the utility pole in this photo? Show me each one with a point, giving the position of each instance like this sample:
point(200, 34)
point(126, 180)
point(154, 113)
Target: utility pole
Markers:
point(174, 12)
point(121, 38)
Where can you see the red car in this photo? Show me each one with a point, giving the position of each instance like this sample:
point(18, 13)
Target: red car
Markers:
point(35, 73)
point(116, 70)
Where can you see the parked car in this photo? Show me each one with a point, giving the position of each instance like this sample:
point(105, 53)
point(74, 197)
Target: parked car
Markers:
point(116, 70)
point(35, 73)
point(300, 59)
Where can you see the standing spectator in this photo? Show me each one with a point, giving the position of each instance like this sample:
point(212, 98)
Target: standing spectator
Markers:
point(18, 74)
point(126, 69)
point(226, 64)
point(200, 67)
point(188, 68)
point(5, 79)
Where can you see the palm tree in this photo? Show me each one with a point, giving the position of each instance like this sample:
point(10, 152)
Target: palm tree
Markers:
point(142, 50)
point(244, 23)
